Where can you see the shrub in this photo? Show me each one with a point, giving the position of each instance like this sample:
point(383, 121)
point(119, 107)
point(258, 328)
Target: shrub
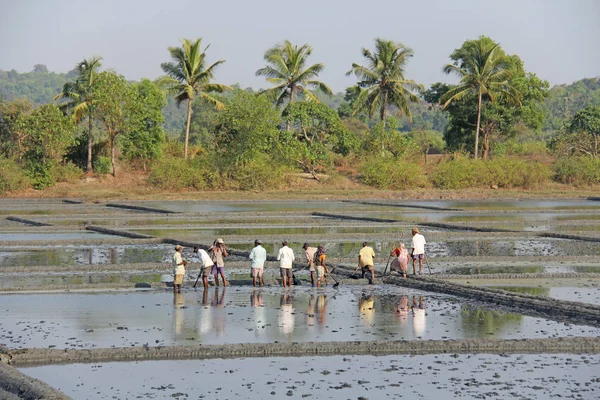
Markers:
point(259, 174)
point(68, 173)
point(12, 178)
point(390, 173)
point(582, 170)
point(505, 172)
point(177, 173)
point(102, 165)
point(457, 173)
point(513, 147)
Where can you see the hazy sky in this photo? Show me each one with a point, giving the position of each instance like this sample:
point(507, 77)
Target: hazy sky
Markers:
point(557, 39)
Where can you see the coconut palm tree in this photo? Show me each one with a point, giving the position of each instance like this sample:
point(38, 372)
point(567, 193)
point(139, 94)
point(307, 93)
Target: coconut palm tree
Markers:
point(286, 70)
point(382, 80)
point(187, 77)
point(484, 70)
point(79, 98)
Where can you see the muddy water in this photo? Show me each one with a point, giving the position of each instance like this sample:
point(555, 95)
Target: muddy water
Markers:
point(242, 315)
point(589, 295)
point(85, 255)
point(335, 377)
point(39, 236)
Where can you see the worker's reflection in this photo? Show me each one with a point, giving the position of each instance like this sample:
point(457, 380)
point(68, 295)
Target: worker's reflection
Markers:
point(218, 305)
point(320, 309)
point(256, 301)
point(418, 307)
point(366, 308)
point(179, 305)
point(286, 313)
point(403, 310)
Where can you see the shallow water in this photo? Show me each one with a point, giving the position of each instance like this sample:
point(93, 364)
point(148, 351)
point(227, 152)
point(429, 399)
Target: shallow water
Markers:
point(244, 315)
point(48, 236)
point(85, 254)
point(589, 295)
point(335, 377)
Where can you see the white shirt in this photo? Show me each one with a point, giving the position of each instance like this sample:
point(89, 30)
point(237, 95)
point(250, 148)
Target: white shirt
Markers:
point(418, 244)
point(285, 257)
point(204, 258)
point(258, 255)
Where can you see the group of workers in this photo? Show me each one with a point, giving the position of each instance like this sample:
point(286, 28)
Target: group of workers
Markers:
point(212, 262)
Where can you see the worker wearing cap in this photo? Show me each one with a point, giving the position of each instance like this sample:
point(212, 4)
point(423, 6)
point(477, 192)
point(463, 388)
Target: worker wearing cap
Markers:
point(178, 268)
point(309, 252)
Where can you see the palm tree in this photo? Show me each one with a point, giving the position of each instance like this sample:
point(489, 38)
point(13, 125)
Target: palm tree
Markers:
point(79, 98)
point(286, 70)
point(187, 77)
point(383, 80)
point(483, 70)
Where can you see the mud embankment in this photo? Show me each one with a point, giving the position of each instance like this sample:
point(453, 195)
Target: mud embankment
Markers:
point(27, 221)
point(116, 232)
point(16, 386)
point(142, 208)
point(579, 345)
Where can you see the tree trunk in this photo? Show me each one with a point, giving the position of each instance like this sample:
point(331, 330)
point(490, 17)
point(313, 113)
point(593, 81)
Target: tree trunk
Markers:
point(292, 98)
point(595, 145)
point(187, 129)
point(112, 154)
point(478, 125)
point(426, 152)
point(90, 167)
point(486, 144)
point(382, 116)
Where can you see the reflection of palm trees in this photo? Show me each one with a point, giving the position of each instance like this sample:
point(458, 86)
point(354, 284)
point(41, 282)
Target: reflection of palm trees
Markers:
point(480, 322)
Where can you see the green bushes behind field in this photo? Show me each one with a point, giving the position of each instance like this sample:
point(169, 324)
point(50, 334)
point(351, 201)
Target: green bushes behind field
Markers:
point(462, 172)
point(12, 177)
point(579, 171)
point(392, 173)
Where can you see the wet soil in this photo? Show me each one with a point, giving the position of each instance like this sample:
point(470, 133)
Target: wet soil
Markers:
point(336, 377)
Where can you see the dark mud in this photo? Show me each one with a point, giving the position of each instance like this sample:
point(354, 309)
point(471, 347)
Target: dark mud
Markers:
point(14, 385)
point(141, 208)
point(464, 346)
point(482, 376)
point(27, 221)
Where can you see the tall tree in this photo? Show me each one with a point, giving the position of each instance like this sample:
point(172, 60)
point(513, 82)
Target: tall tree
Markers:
point(587, 120)
point(286, 69)
point(118, 107)
point(483, 69)
point(187, 77)
point(383, 80)
point(79, 98)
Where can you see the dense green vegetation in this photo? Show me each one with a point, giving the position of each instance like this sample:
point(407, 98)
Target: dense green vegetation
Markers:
point(55, 127)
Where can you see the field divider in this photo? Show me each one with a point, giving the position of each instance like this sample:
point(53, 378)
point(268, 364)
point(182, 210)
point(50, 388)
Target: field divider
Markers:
point(577, 345)
point(27, 221)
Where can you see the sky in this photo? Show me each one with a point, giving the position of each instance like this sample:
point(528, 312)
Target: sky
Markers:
point(559, 40)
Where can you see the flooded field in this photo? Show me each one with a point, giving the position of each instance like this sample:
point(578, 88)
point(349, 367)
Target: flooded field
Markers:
point(335, 377)
point(243, 315)
point(65, 287)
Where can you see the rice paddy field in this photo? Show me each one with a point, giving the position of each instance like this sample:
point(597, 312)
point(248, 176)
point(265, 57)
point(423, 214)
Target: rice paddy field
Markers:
point(508, 305)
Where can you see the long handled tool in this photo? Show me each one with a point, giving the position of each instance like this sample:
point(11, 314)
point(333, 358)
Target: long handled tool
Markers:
point(427, 262)
point(386, 265)
point(353, 274)
point(337, 283)
point(199, 275)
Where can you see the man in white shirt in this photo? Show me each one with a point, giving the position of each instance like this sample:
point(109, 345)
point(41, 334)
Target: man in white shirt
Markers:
point(258, 255)
point(205, 265)
point(286, 258)
point(418, 250)
point(178, 268)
